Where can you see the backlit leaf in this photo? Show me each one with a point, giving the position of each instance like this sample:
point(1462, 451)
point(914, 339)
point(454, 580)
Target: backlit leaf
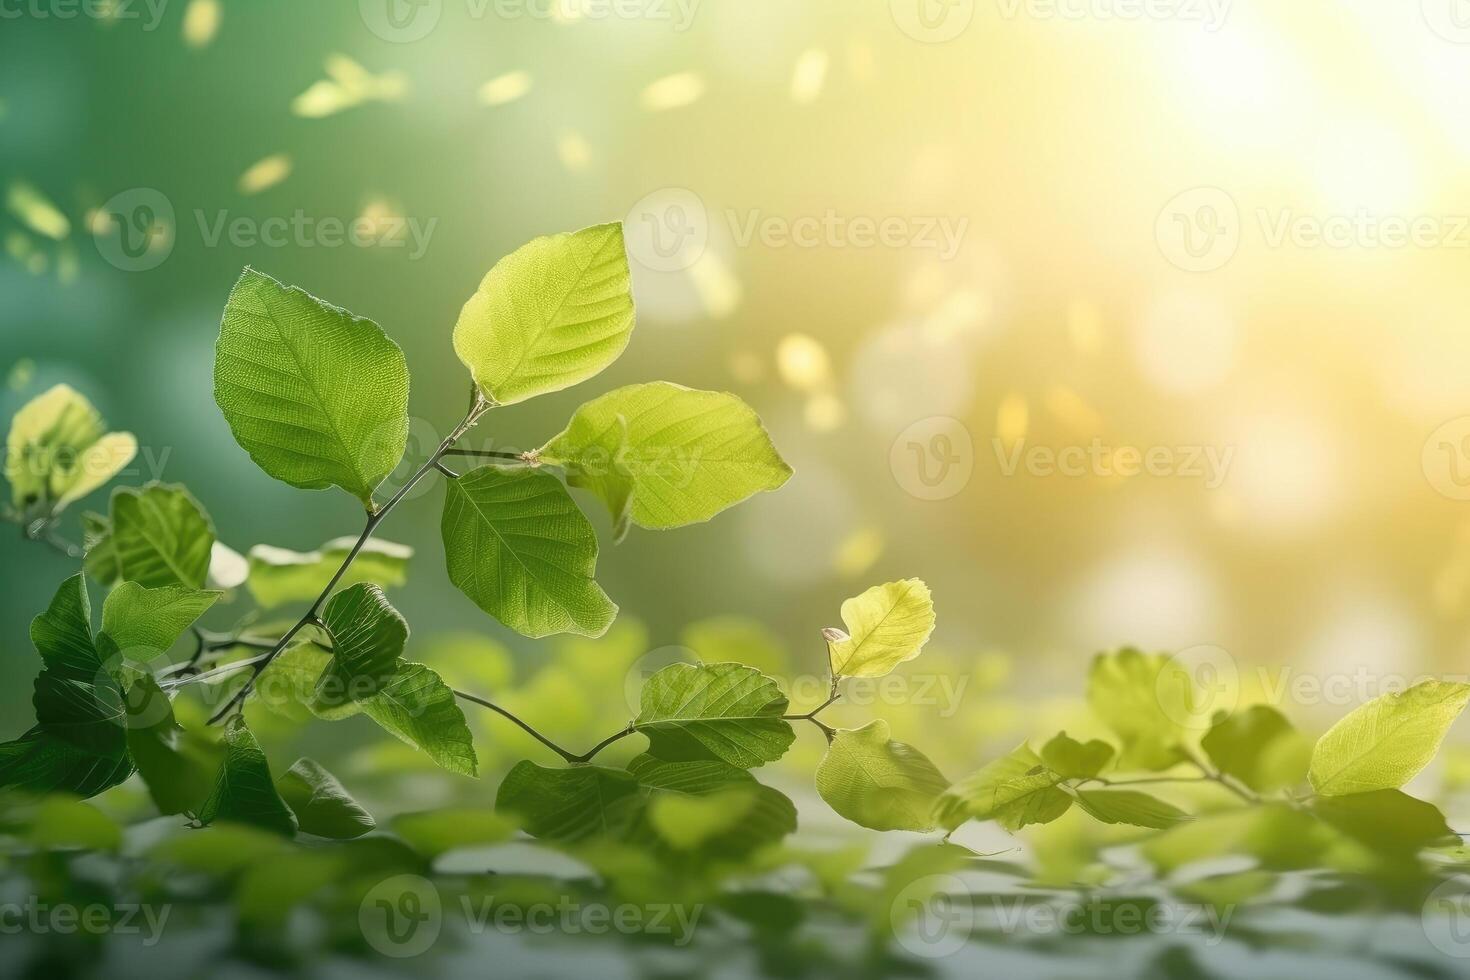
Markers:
point(278, 576)
point(727, 712)
point(517, 545)
point(58, 450)
point(1015, 791)
point(315, 395)
point(878, 783)
point(142, 622)
point(663, 456)
point(549, 315)
point(157, 536)
point(1385, 743)
point(886, 625)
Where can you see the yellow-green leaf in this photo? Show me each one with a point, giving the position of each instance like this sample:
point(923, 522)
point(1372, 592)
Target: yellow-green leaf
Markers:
point(877, 782)
point(886, 625)
point(1385, 743)
point(58, 450)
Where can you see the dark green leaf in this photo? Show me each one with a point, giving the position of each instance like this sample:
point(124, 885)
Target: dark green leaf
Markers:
point(368, 636)
point(570, 804)
point(321, 805)
point(243, 790)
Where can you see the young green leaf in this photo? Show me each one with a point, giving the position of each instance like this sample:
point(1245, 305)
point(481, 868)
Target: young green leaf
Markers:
point(417, 707)
point(886, 625)
point(551, 314)
point(315, 395)
point(142, 622)
point(1071, 759)
point(58, 450)
point(368, 636)
point(518, 546)
point(1142, 698)
point(727, 712)
point(663, 456)
point(878, 783)
point(279, 576)
point(1385, 743)
point(322, 807)
point(1129, 807)
point(1259, 747)
point(243, 790)
point(157, 536)
point(1015, 791)
point(569, 804)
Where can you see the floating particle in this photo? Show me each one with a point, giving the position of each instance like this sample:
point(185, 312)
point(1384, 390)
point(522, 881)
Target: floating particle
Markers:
point(68, 268)
point(809, 76)
point(673, 92)
point(37, 212)
point(348, 84)
point(803, 363)
point(859, 552)
point(201, 22)
point(21, 373)
point(265, 174)
point(575, 154)
point(716, 285)
point(379, 221)
point(505, 88)
point(1012, 419)
point(322, 99)
point(825, 412)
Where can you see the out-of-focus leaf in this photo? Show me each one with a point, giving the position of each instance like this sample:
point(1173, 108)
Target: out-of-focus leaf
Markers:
point(570, 804)
point(177, 769)
point(315, 395)
point(1015, 791)
point(62, 822)
point(1259, 747)
point(551, 314)
point(58, 450)
point(712, 806)
point(436, 832)
point(661, 455)
point(1130, 807)
point(517, 545)
point(886, 625)
point(1072, 759)
point(728, 712)
point(321, 805)
point(1142, 698)
point(41, 762)
point(278, 576)
point(878, 783)
point(1387, 821)
point(1385, 743)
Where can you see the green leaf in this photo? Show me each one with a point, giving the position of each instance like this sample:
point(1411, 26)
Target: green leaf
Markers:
point(368, 636)
point(63, 633)
point(417, 707)
point(1129, 807)
point(90, 714)
point(243, 791)
point(1259, 747)
point(1388, 821)
point(1387, 742)
point(143, 622)
point(1071, 759)
point(58, 450)
point(176, 767)
point(728, 712)
point(886, 625)
point(59, 822)
point(878, 783)
point(551, 314)
point(279, 576)
point(1141, 697)
point(322, 807)
point(157, 536)
point(41, 762)
point(712, 806)
point(663, 456)
point(518, 546)
point(101, 557)
point(315, 395)
point(436, 832)
point(569, 804)
point(1015, 791)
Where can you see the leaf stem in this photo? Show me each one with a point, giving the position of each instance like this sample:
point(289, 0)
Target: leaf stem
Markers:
point(376, 515)
point(489, 454)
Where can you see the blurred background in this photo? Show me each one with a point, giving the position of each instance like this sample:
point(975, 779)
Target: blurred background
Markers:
point(1117, 323)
